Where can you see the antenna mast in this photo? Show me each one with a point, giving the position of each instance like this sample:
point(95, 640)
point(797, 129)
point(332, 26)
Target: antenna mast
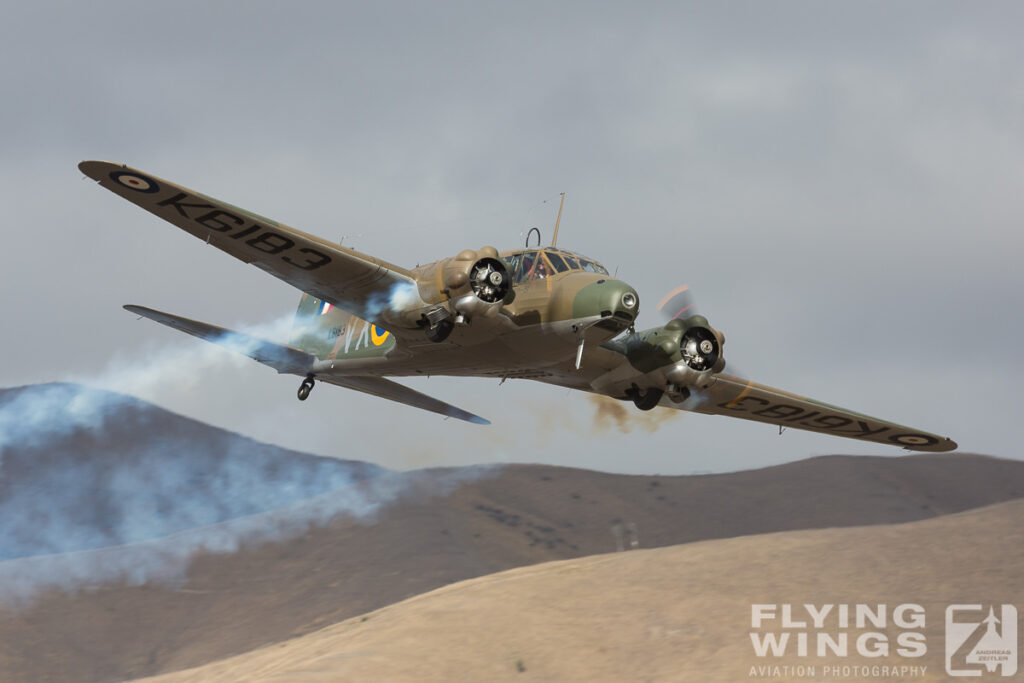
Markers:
point(554, 240)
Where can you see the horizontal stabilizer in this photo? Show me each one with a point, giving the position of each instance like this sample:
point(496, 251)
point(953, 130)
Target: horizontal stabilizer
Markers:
point(385, 388)
point(290, 360)
point(284, 359)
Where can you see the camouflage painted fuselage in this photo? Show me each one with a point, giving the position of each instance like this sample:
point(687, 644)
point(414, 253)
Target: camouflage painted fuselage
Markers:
point(559, 298)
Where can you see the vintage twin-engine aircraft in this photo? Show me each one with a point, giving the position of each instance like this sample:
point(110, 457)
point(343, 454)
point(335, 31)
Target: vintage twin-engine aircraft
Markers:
point(545, 314)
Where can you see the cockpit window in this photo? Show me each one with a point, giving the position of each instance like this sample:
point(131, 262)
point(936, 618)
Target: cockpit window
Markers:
point(540, 269)
point(529, 265)
point(529, 259)
point(513, 262)
point(592, 267)
point(557, 262)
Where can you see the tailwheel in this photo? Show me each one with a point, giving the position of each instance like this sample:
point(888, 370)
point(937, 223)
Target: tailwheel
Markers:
point(646, 400)
point(439, 332)
point(306, 387)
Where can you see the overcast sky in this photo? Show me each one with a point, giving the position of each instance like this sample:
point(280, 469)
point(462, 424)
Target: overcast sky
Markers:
point(842, 186)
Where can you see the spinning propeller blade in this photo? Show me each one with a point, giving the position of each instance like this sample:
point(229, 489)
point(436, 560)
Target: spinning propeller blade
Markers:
point(679, 303)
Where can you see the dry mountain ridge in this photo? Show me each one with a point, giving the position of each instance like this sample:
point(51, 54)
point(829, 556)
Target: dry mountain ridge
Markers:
point(679, 613)
point(515, 515)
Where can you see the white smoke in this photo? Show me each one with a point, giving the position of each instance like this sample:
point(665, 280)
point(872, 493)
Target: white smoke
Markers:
point(183, 363)
point(402, 296)
point(164, 560)
point(83, 468)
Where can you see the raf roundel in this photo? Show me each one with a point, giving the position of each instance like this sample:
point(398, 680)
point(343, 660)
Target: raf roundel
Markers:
point(378, 335)
point(135, 181)
point(913, 439)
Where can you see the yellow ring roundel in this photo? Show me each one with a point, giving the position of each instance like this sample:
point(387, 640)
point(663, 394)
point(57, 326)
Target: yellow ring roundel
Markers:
point(378, 335)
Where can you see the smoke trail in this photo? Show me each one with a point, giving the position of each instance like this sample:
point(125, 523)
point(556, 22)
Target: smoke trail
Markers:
point(183, 363)
point(153, 526)
point(612, 414)
point(402, 296)
point(84, 468)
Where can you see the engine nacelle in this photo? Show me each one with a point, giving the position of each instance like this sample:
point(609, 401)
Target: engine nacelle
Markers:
point(470, 285)
point(479, 273)
point(687, 350)
point(472, 305)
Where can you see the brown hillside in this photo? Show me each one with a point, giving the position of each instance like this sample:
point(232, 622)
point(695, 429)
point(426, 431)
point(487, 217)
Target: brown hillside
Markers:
point(520, 515)
point(680, 613)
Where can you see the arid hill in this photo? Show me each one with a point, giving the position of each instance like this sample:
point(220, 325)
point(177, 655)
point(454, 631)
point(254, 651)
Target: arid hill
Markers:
point(680, 613)
point(85, 468)
point(283, 573)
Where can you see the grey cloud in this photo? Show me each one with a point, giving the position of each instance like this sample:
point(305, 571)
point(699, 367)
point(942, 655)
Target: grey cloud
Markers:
point(832, 179)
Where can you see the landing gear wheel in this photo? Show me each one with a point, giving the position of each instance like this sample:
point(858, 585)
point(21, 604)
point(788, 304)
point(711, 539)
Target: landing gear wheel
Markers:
point(305, 388)
point(647, 399)
point(439, 332)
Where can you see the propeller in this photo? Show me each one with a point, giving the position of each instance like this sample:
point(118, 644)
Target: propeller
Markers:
point(700, 350)
point(678, 304)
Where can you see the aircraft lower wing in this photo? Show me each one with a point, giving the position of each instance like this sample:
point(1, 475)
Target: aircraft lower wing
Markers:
point(736, 397)
point(385, 388)
point(290, 360)
point(346, 278)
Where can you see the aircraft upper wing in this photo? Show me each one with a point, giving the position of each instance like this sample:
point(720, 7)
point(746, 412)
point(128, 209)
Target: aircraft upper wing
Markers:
point(346, 278)
point(736, 397)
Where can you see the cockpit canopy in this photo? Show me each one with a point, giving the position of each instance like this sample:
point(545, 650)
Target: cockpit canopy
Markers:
point(527, 264)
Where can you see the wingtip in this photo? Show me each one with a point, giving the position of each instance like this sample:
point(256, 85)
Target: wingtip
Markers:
point(89, 165)
point(943, 446)
point(97, 169)
point(477, 420)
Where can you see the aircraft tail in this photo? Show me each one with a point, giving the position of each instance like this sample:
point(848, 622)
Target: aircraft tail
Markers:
point(296, 360)
point(329, 332)
point(317, 326)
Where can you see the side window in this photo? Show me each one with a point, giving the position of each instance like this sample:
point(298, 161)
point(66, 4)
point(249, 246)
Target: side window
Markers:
point(588, 266)
point(529, 259)
point(512, 263)
point(571, 262)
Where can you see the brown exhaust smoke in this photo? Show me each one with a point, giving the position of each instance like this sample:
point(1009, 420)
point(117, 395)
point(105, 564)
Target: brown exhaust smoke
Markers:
point(610, 413)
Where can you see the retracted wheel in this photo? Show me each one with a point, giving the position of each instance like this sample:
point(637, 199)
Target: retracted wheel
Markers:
point(439, 332)
point(646, 400)
point(305, 388)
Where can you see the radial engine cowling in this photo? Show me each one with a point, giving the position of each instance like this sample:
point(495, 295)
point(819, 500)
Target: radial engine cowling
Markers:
point(488, 279)
point(687, 350)
point(474, 282)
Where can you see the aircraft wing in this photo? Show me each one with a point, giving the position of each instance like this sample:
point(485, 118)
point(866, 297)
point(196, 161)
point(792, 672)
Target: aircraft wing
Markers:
point(290, 360)
point(346, 278)
point(736, 397)
point(385, 388)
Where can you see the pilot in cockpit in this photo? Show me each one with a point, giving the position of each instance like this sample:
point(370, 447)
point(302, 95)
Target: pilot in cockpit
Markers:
point(526, 267)
point(541, 271)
